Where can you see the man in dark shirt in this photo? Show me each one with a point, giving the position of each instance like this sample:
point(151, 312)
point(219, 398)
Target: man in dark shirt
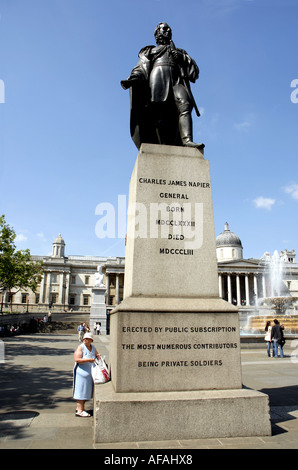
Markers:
point(278, 337)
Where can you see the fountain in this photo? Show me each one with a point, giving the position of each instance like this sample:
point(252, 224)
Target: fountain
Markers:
point(276, 272)
point(276, 302)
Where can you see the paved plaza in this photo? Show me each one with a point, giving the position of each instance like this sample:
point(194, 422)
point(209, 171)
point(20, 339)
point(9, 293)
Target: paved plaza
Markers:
point(37, 410)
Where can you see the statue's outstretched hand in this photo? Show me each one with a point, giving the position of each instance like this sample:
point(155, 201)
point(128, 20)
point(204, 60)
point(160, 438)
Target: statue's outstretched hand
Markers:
point(125, 84)
point(128, 83)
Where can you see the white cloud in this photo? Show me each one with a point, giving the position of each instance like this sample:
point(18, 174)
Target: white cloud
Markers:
point(264, 203)
point(41, 236)
point(246, 123)
point(223, 7)
point(21, 238)
point(292, 189)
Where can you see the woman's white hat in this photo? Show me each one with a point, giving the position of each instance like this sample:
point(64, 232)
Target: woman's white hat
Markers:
point(88, 336)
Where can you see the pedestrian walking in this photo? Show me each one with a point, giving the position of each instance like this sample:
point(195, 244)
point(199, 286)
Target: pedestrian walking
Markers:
point(268, 329)
point(81, 331)
point(278, 338)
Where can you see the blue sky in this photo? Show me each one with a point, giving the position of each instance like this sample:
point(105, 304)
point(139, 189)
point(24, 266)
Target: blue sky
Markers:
point(65, 145)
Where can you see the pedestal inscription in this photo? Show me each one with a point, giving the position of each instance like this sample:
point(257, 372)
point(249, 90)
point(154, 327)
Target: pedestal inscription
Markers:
point(176, 351)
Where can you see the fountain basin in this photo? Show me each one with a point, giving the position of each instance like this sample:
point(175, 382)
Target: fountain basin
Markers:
point(256, 324)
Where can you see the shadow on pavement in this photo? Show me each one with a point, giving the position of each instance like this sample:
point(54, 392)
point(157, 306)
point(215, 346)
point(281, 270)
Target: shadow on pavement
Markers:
point(15, 424)
point(283, 406)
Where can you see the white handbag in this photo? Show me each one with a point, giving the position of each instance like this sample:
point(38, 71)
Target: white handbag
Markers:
point(99, 371)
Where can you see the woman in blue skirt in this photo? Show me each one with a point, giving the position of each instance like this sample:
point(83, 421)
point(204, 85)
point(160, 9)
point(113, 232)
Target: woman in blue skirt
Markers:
point(82, 379)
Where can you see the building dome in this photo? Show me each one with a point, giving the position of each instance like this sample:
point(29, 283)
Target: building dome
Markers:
point(228, 238)
point(59, 239)
point(228, 245)
point(58, 247)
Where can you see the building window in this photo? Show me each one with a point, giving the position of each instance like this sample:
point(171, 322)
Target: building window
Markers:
point(24, 298)
point(54, 278)
point(111, 300)
point(72, 300)
point(73, 279)
point(85, 299)
point(87, 280)
point(10, 298)
point(54, 298)
point(37, 298)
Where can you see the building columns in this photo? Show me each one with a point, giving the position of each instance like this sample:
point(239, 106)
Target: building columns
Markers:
point(247, 290)
point(117, 289)
point(67, 283)
point(238, 289)
point(229, 289)
point(61, 289)
point(42, 289)
point(48, 292)
point(220, 285)
point(108, 288)
point(256, 288)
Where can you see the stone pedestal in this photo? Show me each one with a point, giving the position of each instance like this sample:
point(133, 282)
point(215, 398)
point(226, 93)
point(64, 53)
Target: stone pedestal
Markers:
point(161, 416)
point(98, 309)
point(175, 345)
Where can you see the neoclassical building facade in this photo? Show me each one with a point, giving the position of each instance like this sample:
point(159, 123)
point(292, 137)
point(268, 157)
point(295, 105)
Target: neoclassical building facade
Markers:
point(68, 280)
point(67, 283)
point(244, 282)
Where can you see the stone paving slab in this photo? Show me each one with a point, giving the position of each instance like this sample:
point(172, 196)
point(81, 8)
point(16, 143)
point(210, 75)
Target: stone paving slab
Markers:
point(37, 410)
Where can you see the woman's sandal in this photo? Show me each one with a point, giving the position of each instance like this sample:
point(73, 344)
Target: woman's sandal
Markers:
point(83, 414)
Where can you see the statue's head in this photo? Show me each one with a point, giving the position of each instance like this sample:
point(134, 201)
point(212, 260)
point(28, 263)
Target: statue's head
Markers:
point(163, 33)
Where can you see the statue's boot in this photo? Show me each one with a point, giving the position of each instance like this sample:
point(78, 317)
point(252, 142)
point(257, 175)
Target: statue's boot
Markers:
point(185, 127)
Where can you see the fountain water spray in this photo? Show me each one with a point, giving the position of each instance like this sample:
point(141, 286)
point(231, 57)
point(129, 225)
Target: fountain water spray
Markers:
point(276, 269)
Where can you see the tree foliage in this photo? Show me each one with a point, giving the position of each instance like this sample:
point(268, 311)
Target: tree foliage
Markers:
point(17, 270)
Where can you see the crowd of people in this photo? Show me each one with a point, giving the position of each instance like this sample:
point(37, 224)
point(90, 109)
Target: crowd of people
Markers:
point(84, 328)
point(11, 329)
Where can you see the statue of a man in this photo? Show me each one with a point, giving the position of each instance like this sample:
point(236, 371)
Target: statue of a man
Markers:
point(161, 98)
point(99, 277)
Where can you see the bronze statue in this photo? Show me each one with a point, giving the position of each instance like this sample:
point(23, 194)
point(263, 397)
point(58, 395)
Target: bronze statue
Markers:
point(160, 94)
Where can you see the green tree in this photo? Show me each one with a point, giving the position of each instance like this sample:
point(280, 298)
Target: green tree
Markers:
point(17, 270)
